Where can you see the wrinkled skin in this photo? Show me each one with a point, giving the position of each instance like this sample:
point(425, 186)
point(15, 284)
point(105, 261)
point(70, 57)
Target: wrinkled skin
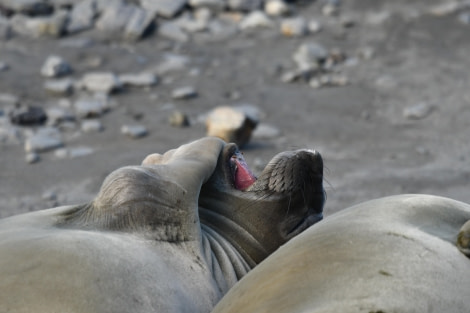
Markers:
point(171, 235)
point(406, 253)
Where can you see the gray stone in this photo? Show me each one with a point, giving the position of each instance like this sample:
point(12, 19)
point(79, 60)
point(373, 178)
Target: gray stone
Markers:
point(256, 19)
point(184, 93)
point(5, 28)
point(89, 107)
point(294, 27)
point(106, 82)
point(139, 22)
point(32, 158)
point(58, 115)
point(244, 5)
point(44, 140)
point(74, 152)
point(92, 126)
point(49, 196)
point(310, 53)
point(276, 7)
point(114, 18)
point(164, 8)
point(330, 9)
point(173, 31)
point(178, 119)
point(55, 66)
point(446, 8)
point(82, 16)
point(221, 30)
point(213, 5)
point(49, 26)
point(314, 26)
point(59, 87)
point(192, 25)
point(265, 131)
point(418, 111)
point(9, 134)
point(30, 7)
point(134, 131)
point(138, 80)
point(9, 99)
point(4, 66)
point(172, 63)
point(28, 116)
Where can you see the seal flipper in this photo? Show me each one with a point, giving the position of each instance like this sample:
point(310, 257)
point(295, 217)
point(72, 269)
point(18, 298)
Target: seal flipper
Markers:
point(463, 239)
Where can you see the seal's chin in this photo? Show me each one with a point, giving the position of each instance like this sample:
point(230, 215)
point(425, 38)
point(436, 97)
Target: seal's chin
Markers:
point(303, 224)
point(242, 176)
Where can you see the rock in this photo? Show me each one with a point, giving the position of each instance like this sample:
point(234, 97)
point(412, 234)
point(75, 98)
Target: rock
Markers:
point(314, 26)
point(164, 8)
point(9, 134)
point(222, 30)
point(178, 119)
point(44, 140)
point(173, 31)
point(329, 80)
point(72, 153)
point(57, 115)
point(330, 9)
point(347, 21)
point(213, 5)
point(244, 5)
point(32, 158)
point(89, 107)
point(255, 19)
point(446, 8)
point(230, 124)
point(4, 66)
point(49, 196)
point(276, 7)
point(60, 87)
point(138, 24)
point(50, 26)
point(28, 116)
point(172, 63)
point(92, 126)
point(294, 27)
point(134, 131)
point(138, 80)
point(193, 25)
point(464, 18)
point(29, 7)
point(9, 99)
point(55, 66)
point(5, 28)
point(82, 16)
point(310, 53)
point(265, 131)
point(106, 82)
point(366, 53)
point(418, 111)
point(184, 93)
point(114, 18)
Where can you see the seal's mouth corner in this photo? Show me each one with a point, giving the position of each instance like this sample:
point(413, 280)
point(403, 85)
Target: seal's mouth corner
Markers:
point(242, 176)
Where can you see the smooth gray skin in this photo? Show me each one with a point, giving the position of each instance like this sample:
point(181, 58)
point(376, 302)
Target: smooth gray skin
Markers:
point(139, 245)
point(395, 254)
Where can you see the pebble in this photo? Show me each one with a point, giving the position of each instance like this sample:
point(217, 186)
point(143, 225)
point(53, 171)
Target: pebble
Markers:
point(29, 7)
point(138, 80)
point(138, 24)
point(171, 30)
point(172, 63)
point(256, 19)
point(186, 92)
point(294, 27)
point(92, 126)
point(49, 196)
point(44, 140)
point(50, 26)
point(60, 87)
point(72, 153)
point(164, 8)
point(178, 119)
point(330, 9)
point(386, 82)
point(28, 116)
point(55, 66)
point(230, 124)
point(134, 131)
point(114, 18)
point(82, 16)
point(329, 80)
point(266, 131)
point(276, 8)
point(213, 5)
point(418, 111)
point(58, 115)
point(9, 99)
point(314, 26)
point(32, 158)
point(106, 82)
point(310, 53)
point(9, 134)
point(244, 5)
point(89, 107)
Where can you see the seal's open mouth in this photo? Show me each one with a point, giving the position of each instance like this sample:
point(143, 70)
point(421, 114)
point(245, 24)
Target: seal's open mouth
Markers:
point(242, 176)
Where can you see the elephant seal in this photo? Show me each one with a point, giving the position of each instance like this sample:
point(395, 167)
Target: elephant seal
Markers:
point(171, 235)
point(395, 254)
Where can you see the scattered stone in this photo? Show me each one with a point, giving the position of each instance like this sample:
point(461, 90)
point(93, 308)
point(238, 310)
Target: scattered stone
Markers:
point(213, 5)
point(310, 53)
point(55, 66)
point(329, 80)
point(61, 87)
point(50, 26)
point(29, 7)
point(44, 140)
point(92, 126)
point(139, 23)
point(173, 31)
point(193, 25)
point(72, 153)
point(314, 26)
point(464, 18)
point(9, 99)
point(82, 16)
point(134, 131)
point(138, 80)
point(244, 5)
point(418, 111)
point(265, 131)
point(330, 9)
point(57, 115)
point(298, 74)
point(187, 92)
point(28, 116)
point(101, 81)
point(276, 8)
point(294, 27)
point(255, 19)
point(89, 107)
point(164, 8)
point(32, 158)
point(178, 119)
point(9, 134)
point(114, 18)
point(230, 124)
point(172, 63)
point(49, 196)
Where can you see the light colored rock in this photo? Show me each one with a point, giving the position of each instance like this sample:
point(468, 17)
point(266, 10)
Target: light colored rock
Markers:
point(59, 87)
point(138, 80)
point(134, 131)
point(44, 140)
point(172, 63)
point(178, 119)
point(330, 9)
point(230, 124)
point(213, 5)
point(294, 27)
point(89, 107)
point(418, 111)
point(55, 66)
point(164, 8)
point(82, 16)
point(314, 26)
point(31, 7)
point(377, 18)
point(114, 18)
point(256, 19)
point(186, 92)
point(266, 131)
point(276, 7)
point(32, 158)
point(244, 5)
point(106, 82)
point(92, 126)
point(75, 152)
point(172, 30)
point(139, 22)
point(309, 53)
point(4, 66)
point(77, 43)
point(9, 99)
point(49, 26)
point(58, 115)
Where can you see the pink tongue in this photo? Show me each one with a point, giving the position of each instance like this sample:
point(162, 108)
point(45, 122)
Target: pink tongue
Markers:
point(243, 176)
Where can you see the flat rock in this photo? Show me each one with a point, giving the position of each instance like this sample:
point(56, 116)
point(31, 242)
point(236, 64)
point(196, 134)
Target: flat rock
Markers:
point(138, 24)
point(134, 131)
point(266, 131)
point(29, 7)
point(5, 28)
point(9, 99)
point(114, 18)
point(28, 116)
point(91, 126)
point(256, 19)
point(172, 30)
point(310, 53)
point(49, 26)
point(164, 8)
point(75, 152)
point(59, 87)
point(32, 158)
point(89, 107)
point(244, 5)
point(106, 82)
point(55, 66)
point(276, 8)
point(172, 63)
point(418, 111)
point(186, 92)
point(44, 140)
point(4, 66)
point(231, 124)
point(178, 119)
point(82, 16)
point(213, 5)
point(294, 27)
point(58, 115)
point(138, 80)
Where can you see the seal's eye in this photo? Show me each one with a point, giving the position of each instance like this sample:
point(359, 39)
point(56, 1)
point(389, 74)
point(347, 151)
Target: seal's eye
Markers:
point(242, 175)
